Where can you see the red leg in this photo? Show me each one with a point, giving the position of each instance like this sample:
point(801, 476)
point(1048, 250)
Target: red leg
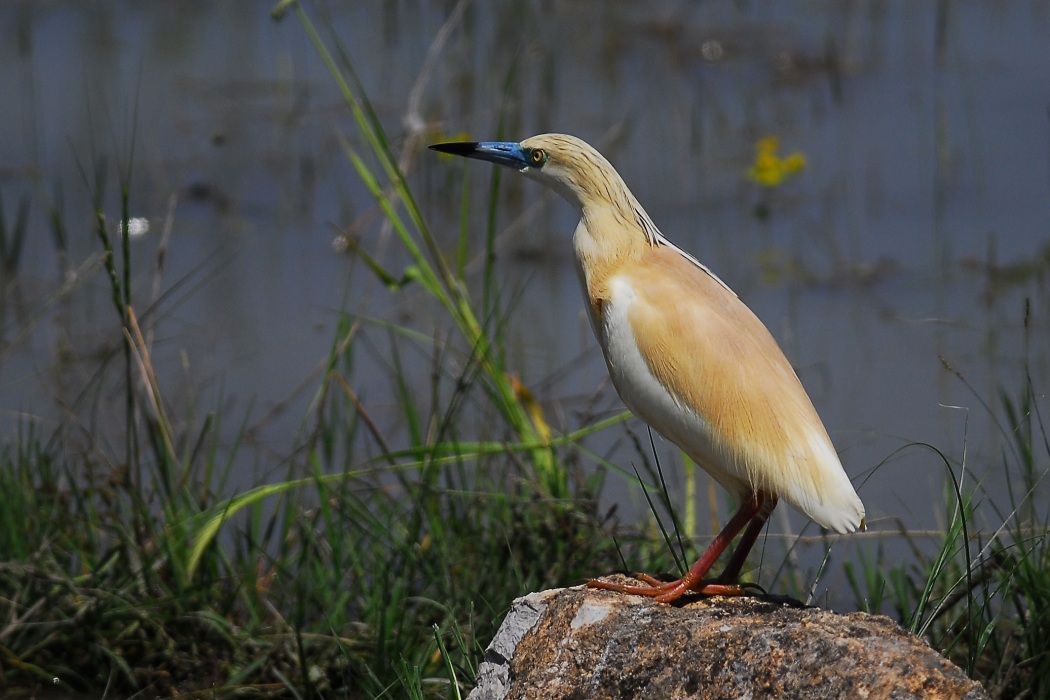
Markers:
point(750, 510)
point(747, 541)
point(726, 582)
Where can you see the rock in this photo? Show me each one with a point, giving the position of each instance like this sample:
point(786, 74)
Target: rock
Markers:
point(581, 643)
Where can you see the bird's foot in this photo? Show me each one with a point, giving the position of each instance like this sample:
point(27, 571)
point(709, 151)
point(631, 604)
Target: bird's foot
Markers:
point(668, 592)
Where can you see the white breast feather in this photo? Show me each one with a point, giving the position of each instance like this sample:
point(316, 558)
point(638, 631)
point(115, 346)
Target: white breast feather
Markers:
point(650, 400)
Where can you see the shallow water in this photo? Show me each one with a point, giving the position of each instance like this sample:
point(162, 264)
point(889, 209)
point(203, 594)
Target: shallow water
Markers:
point(901, 258)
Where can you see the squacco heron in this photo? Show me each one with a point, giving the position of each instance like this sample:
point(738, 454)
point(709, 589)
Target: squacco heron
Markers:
point(688, 358)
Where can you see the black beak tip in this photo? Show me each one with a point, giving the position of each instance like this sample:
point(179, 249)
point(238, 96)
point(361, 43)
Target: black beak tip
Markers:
point(457, 148)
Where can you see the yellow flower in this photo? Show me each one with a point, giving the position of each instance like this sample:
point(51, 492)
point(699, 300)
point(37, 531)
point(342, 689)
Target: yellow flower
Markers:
point(769, 169)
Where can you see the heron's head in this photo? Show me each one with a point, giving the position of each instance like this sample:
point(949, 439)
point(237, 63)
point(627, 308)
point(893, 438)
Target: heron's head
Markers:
point(568, 165)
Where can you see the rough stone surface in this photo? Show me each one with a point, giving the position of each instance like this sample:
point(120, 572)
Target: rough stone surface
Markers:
point(580, 643)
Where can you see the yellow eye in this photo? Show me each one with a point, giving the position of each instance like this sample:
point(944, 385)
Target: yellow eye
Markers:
point(538, 157)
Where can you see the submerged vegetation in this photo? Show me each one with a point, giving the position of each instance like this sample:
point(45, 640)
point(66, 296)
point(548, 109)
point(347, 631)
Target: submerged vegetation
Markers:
point(372, 569)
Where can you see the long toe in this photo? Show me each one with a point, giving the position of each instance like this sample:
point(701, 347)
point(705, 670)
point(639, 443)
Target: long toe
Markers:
point(647, 590)
point(664, 592)
point(729, 589)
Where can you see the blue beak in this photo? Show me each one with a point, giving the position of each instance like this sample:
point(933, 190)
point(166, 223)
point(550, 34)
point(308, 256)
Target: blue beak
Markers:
point(502, 152)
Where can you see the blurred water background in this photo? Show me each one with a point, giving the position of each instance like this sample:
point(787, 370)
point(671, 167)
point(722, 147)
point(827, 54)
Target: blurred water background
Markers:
point(903, 269)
